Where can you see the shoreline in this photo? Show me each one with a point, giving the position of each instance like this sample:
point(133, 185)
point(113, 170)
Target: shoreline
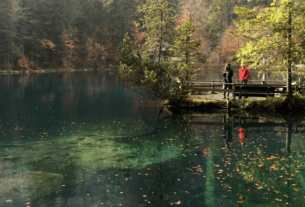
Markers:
point(12, 72)
point(275, 106)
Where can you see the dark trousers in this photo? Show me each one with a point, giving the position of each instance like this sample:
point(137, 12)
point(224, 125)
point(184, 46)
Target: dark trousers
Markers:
point(244, 82)
point(229, 86)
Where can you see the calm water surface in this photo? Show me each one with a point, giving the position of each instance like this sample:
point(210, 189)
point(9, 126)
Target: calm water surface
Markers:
point(82, 140)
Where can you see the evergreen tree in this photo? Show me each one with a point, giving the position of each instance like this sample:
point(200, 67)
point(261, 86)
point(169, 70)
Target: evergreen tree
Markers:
point(155, 79)
point(158, 22)
point(218, 21)
point(6, 31)
point(184, 46)
point(125, 51)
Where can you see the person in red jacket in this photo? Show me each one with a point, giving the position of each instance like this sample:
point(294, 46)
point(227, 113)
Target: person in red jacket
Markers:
point(243, 136)
point(244, 74)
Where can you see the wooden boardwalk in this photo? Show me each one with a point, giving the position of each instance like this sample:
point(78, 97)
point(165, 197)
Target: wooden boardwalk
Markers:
point(251, 89)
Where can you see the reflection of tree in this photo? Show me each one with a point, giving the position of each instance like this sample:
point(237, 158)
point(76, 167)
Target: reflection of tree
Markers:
point(171, 148)
point(277, 177)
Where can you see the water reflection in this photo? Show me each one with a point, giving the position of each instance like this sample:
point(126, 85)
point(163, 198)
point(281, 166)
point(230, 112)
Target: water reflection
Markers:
point(105, 146)
point(228, 133)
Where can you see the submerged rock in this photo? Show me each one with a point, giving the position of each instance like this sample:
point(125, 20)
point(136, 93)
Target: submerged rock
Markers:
point(30, 184)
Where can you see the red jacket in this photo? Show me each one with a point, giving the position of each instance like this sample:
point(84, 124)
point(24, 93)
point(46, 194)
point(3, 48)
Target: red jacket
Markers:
point(244, 74)
point(241, 133)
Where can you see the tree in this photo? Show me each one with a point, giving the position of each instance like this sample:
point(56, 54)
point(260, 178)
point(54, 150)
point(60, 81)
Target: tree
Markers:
point(158, 22)
point(276, 34)
point(124, 50)
point(155, 79)
point(6, 31)
point(217, 23)
point(183, 45)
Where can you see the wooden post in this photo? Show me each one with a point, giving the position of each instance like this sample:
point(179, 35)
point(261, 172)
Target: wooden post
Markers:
point(240, 92)
point(229, 104)
point(224, 92)
point(268, 91)
point(234, 89)
point(213, 86)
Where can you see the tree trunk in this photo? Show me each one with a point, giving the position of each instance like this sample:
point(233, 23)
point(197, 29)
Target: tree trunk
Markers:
point(220, 55)
point(160, 47)
point(288, 153)
point(289, 88)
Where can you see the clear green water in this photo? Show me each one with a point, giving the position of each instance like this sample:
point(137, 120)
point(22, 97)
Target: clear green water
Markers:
point(81, 139)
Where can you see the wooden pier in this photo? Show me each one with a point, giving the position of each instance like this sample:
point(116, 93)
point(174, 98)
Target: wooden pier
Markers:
point(250, 89)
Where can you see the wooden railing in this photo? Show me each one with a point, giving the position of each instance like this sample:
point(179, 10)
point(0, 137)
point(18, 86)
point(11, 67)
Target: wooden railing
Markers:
point(249, 89)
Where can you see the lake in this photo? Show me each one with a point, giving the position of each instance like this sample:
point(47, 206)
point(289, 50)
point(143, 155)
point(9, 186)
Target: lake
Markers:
point(83, 140)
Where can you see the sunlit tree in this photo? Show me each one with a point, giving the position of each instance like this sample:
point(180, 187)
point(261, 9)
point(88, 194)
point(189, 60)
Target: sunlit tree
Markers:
point(276, 34)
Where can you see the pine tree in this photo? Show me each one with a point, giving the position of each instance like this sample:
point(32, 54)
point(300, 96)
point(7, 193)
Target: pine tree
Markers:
point(158, 22)
point(155, 79)
point(217, 23)
point(125, 51)
point(6, 31)
point(184, 46)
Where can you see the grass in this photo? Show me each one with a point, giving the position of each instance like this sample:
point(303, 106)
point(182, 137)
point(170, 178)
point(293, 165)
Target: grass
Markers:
point(272, 105)
point(200, 93)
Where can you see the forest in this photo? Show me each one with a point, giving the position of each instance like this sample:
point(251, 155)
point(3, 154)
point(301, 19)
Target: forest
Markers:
point(40, 34)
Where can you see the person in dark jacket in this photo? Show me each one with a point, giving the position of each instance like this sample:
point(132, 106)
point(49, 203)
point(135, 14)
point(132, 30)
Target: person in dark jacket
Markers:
point(227, 76)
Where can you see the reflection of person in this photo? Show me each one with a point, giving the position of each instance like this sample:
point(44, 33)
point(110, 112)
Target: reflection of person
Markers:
point(243, 136)
point(227, 77)
point(244, 74)
point(228, 138)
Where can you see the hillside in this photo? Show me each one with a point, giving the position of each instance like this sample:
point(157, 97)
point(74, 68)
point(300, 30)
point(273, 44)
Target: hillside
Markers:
point(77, 34)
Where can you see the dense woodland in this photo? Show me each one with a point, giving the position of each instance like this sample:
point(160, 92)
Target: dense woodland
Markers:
point(36, 34)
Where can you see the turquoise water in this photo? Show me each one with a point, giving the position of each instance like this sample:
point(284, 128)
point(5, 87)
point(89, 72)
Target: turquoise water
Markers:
point(81, 139)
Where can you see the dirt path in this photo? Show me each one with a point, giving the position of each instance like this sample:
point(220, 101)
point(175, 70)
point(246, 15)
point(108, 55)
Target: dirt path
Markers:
point(220, 97)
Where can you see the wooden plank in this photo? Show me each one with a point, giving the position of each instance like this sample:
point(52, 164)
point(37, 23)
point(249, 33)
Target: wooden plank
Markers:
point(239, 91)
point(209, 89)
